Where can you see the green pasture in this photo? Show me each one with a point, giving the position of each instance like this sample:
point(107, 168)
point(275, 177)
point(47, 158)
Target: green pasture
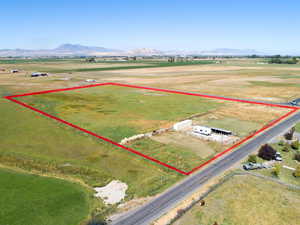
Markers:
point(35, 200)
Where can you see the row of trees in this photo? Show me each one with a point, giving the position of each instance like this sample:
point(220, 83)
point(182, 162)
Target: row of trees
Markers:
point(293, 60)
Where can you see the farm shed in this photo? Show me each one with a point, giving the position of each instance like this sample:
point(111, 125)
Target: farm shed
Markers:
point(183, 125)
point(221, 131)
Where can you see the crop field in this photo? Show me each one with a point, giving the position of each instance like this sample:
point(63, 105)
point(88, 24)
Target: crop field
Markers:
point(35, 200)
point(249, 201)
point(79, 65)
point(116, 112)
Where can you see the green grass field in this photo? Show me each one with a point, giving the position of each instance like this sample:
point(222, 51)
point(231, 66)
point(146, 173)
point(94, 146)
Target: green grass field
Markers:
point(246, 200)
point(36, 143)
point(35, 200)
point(119, 112)
point(53, 65)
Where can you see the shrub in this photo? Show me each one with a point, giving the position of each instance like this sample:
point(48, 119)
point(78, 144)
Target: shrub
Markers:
point(266, 152)
point(281, 143)
point(289, 135)
point(252, 158)
point(286, 148)
point(297, 172)
point(276, 170)
point(297, 157)
point(295, 145)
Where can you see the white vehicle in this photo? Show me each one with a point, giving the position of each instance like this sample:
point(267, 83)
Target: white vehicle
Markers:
point(202, 130)
point(90, 80)
point(278, 156)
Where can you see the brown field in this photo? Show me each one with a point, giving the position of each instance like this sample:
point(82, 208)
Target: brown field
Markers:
point(246, 200)
point(200, 147)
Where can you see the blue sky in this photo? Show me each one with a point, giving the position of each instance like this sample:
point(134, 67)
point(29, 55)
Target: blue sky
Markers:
point(164, 24)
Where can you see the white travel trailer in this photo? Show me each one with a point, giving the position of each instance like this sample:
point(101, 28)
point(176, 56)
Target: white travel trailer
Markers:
point(202, 130)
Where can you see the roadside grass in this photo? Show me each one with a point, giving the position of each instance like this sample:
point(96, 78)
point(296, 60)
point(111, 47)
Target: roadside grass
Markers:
point(177, 156)
point(297, 127)
point(36, 200)
point(246, 200)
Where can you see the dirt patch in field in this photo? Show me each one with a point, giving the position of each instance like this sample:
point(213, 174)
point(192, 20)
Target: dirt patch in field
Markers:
point(233, 80)
point(188, 142)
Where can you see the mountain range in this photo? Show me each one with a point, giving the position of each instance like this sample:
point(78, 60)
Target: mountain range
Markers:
point(81, 50)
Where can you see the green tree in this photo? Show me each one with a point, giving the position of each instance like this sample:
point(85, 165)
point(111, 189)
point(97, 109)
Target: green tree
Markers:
point(295, 145)
point(267, 152)
point(286, 147)
point(289, 135)
point(297, 157)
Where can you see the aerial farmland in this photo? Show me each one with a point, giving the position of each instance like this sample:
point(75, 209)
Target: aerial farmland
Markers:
point(117, 104)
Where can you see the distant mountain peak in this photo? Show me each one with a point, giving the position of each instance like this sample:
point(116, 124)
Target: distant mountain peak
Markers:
point(145, 51)
point(82, 48)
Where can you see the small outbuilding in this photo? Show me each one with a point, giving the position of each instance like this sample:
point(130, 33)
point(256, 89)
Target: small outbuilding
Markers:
point(183, 125)
point(221, 131)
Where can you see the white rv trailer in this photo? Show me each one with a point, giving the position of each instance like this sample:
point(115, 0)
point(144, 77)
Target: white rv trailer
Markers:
point(202, 130)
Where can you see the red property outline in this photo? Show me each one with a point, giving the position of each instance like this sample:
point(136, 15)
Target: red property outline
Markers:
point(293, 109)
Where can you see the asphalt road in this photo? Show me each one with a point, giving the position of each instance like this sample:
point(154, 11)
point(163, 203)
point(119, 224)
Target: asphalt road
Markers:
point(167, 200)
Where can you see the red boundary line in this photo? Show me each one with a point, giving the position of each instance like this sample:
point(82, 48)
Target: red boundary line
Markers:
point(294, 109)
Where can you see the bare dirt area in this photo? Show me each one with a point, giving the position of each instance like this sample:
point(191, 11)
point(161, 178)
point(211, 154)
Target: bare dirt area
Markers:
point(183, 140)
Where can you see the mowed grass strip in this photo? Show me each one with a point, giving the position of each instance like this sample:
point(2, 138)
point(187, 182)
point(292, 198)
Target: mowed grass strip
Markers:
point(246, 200)
point(35, 200)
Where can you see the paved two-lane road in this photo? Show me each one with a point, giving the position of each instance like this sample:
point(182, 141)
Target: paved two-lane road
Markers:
point(167, 200)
